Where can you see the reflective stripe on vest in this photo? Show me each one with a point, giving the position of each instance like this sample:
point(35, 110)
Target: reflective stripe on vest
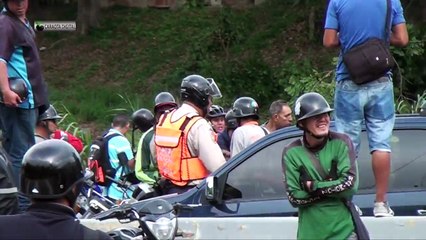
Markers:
point(174, 159)
point(8, 190)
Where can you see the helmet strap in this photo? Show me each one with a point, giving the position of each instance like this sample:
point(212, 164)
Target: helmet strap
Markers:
point(313, 135)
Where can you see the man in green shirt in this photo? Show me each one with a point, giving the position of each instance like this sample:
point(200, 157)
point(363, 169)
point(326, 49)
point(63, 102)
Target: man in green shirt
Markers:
point(146, 163)
point(143, 119)
point(322, 211)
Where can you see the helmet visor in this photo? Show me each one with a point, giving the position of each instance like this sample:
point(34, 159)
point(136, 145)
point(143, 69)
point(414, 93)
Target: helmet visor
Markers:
point(213, 89)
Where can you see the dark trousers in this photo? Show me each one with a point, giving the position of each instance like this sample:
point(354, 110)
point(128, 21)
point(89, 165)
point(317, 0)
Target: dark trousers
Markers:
point(18, 126)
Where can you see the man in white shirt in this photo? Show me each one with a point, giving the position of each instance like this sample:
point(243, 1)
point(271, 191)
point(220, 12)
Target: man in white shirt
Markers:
point(246, 109)
point(279, 116)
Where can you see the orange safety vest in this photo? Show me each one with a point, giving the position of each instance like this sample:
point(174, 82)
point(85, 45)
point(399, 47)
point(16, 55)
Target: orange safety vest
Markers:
point(174, 159)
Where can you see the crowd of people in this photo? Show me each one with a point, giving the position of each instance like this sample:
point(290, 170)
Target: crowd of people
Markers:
point(182, 144)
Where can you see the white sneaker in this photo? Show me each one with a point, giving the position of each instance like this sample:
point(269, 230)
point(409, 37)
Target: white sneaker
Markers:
point(382, 209)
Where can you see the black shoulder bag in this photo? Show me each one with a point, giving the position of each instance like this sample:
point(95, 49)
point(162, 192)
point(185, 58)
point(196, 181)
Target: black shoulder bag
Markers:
point(372, 59)
point(360, 229)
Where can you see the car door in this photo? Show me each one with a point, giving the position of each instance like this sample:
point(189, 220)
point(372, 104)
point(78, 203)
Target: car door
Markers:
point(407, 183)
point(255, 187)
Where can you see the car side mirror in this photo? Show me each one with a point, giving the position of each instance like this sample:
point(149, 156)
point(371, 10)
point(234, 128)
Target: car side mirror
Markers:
point(212, 193)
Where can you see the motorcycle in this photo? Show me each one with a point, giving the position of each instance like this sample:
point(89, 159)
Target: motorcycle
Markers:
point(157, 220)
point(91, 200)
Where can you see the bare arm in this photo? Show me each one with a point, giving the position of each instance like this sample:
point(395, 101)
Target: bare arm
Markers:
point(331, 38)
point(131, 164)
point(399, 35)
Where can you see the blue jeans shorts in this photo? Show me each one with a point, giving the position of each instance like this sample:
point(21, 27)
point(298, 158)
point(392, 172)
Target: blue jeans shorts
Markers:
point(371, 103)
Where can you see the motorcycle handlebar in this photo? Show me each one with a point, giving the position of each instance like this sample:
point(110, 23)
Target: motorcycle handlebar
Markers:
point(125, 211)
point(120, 183)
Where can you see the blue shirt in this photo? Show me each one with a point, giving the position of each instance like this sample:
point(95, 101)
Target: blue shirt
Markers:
point(118, 145)
point(358, 20)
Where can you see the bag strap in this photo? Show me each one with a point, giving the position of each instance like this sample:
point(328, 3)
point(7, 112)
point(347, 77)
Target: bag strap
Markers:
point(388, 19)
point(264, 130)
point(107, 138)
point(315, 162)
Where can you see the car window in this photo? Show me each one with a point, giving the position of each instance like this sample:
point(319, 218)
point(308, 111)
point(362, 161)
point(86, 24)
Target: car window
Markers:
point(408, 165)
point(260, 176)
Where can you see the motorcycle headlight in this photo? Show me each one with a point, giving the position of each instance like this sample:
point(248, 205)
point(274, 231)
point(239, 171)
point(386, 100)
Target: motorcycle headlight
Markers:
point(163, 228)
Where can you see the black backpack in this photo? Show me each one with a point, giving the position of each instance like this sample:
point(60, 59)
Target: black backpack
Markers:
point(99, 162)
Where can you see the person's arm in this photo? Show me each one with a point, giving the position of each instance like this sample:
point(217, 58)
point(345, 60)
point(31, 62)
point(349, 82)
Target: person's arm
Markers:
point(140, 160)
point(236, 142)
point(344, 184)
point(125, 154)
point(131, 164)
point(10, 98)
point(399, 33)
point(331, 38)
point(331, 28)
point(297, 196)
point(202, 139)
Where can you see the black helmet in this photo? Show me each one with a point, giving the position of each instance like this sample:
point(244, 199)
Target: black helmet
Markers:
point(5, 4)
point(215, 111)
point(164, 99)
point(245, 107)
point(230, 120)
point(50, 170)
point(49, 114)
point(18, 86)
point(143, 119)
point(310, 105)
point(197, 89)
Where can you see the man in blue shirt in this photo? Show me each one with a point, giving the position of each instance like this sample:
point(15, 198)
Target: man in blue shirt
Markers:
point(19, 58)
point(350, 23)
point(120, 155)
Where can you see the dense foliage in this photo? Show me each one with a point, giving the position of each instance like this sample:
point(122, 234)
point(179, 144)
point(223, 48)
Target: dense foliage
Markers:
point(267, 52)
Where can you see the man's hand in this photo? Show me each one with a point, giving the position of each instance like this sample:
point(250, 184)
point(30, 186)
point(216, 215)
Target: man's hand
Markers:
point(10, 98)
point(306, 182)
